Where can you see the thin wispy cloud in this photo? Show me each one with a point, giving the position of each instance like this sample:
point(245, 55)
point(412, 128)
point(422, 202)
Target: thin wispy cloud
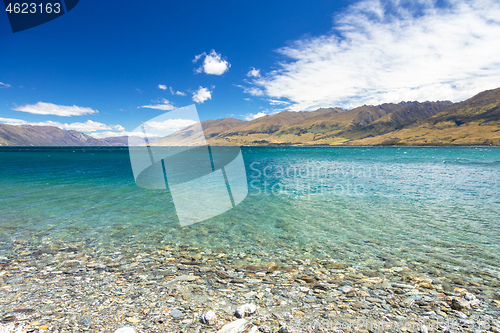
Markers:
point(172, 91)
point(165, 105)
point(391, 51)
point(12, 121)
point(201, 95)
point(254, 91)
point(55, 110)
point(4, 85)
point(213, 63)
point(277, 102)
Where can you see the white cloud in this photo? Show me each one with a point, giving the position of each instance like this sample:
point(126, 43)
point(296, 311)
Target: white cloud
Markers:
point(253, 72)
point(109, 134)
point(165, 105)
point(168, 126)
point(88, 126)
point(198, 57)
point(389, 51)
point(4, 85)
point(55, 110)
point(277, 102)
point(12, 121)
point(254, 91)
point(91, 126)
point(201, 95)
point(172, 91)
point(212, 64)
point(252, 116)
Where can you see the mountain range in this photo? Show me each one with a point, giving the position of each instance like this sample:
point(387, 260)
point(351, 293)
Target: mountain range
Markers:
point(475, 121)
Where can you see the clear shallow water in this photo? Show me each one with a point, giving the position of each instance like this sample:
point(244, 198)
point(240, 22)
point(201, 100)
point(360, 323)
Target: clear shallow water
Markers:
point(434, 208)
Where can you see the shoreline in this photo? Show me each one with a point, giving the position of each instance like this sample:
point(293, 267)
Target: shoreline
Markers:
point(169, 288)
point(276, 146)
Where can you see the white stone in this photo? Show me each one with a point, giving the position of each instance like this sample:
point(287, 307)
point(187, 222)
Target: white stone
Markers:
point(209, 318)
point(245, 310)
point(424, 329)
point(345, 289)
point(188, 278)
point(237, 326)
point(469, 296)
point(126, 329)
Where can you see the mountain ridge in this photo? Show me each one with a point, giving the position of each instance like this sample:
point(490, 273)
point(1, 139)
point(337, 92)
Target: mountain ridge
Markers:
point(475, 121)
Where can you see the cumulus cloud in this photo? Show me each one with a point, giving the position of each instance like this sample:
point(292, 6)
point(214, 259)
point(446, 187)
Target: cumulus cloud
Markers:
point(201, 95)
point(4, 85)
point(55, 110)
point(391, 50)
point(88, 126)
point(212, 63)
point(91, 126)
point(162, 87)
point(180, 93)
point(165, 105)
point(253, 72)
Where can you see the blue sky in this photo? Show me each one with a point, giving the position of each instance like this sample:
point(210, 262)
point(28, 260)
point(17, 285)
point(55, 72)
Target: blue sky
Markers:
point(104, 67)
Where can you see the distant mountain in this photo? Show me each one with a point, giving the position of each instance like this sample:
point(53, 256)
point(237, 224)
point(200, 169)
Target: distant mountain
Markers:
point(475, 121)
point(192, 135)
point(117, 141)
point(26, 135)
point(328, 126)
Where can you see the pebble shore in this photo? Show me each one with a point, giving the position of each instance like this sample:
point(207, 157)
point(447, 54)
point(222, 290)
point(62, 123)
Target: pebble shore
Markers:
point(179, 288)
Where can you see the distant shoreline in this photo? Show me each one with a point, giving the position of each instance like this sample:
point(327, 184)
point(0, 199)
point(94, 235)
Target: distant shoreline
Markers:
point(276, 146)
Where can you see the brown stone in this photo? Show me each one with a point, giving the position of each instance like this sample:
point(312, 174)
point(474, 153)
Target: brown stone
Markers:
point(335, 265)
point(308, 279)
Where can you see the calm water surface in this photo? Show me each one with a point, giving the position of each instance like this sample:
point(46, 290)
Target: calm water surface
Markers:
point(438, 207)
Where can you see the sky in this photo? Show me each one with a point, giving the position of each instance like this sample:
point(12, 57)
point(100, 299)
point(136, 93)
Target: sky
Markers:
point(106, 66)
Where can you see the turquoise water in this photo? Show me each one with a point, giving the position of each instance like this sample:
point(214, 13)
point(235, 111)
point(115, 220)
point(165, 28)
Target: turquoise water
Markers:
point(434, 207)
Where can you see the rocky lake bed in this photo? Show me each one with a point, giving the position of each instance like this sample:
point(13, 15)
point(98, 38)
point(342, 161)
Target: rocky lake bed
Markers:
point(73, 287)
